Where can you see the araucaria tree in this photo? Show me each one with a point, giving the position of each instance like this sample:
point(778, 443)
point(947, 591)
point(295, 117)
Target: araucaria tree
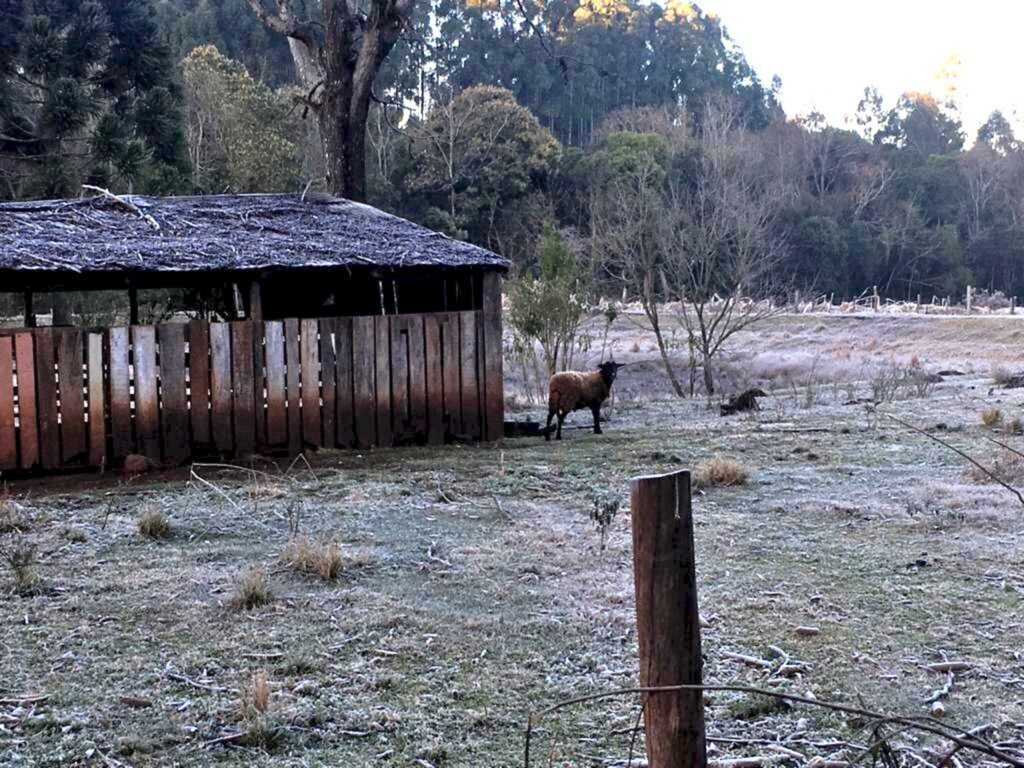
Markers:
point(337, 61)
point(87, 94)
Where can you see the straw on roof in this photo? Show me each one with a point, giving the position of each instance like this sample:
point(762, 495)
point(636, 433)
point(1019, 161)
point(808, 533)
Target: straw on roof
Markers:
point(223, 233)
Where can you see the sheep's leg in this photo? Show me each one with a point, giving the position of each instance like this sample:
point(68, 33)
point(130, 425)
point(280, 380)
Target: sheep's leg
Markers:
point(547, 429)
point(596, 410)
point(561, 420)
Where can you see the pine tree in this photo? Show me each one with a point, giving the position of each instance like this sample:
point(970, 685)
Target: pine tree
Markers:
point(87, 95)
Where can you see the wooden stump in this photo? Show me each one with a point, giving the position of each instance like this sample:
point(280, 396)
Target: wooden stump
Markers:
point(668, 628)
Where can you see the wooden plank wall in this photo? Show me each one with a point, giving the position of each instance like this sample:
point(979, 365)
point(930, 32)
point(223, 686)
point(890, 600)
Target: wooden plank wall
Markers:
point(172, 392)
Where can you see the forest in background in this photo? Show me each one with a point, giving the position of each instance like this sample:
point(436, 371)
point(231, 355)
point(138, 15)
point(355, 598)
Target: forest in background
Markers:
point(614, 124)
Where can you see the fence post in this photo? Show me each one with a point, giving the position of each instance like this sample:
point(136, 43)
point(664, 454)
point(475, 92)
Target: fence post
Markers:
point(968, 302)
point(668, 628)
point(1013, 305)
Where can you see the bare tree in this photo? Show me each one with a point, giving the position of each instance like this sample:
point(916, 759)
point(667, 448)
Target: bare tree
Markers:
point(337, 61)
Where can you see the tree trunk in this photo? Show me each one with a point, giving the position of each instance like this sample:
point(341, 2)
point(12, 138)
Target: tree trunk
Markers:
point(709, 376)
point(652, 315)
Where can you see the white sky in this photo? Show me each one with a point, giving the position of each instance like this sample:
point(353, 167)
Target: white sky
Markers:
point(827, 51)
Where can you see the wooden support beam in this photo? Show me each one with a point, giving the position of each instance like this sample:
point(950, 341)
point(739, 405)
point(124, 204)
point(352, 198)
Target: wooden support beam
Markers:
point(133, 305)
point(256, 300)
point(30, 311)
point(668, 627)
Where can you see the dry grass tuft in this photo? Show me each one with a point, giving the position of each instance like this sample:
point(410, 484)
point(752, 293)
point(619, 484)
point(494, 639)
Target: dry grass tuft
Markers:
point(154, 524)
point(721, 472)
point(251, 591)
point(21, 558)
point(991, 417)
point(1016, 426)
point(318, 558)
point(1001, 375)
point(255, 712)
point(11, 518)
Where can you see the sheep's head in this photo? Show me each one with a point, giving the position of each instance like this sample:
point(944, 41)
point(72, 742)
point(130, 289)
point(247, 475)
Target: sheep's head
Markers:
point(609, 371)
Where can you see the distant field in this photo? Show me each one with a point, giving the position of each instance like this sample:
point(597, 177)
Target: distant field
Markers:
point(475, 588)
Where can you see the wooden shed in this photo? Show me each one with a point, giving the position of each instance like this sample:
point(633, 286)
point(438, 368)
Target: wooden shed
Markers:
point(334, 325)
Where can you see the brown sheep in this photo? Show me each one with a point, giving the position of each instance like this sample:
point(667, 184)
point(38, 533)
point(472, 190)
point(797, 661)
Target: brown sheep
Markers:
point(573, 391)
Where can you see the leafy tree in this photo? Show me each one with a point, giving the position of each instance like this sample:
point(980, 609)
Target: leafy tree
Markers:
point(87, 95)
point(243, 136)
point(475, 155)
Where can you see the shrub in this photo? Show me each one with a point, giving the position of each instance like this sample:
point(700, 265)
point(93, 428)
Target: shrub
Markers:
point(322, 559)
point(153, 524)
point(605, 508)
point(1001, 375)
point(11, 518)
point(21, 558)
point(721, 472)
point(991, 417)
point(251, 590)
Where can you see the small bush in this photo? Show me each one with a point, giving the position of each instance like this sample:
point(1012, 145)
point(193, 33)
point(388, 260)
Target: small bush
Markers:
point(74, 535)
point(721, 472)
point(605, 508)
point(991, 417)
point(251, 591)
point(21, 558)
point(318, 558)
point(1001, 375)
point(1016, 426)
point(153, 524)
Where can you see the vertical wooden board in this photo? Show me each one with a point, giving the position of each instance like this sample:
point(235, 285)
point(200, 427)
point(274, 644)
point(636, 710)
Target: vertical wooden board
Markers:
point(120, 393)
point(470, 388)
point(400, 409)
point(310, 365)
point(147, 403)
point(450, 344)
point(97, 402)
point(220, 386)
point(277, 413)
point(259, 391)
point(494, 389)
point(328, 382)
point(417, 376)
point(8, 437)
point(382, 380)
point(72, 399)
point(28, 421)
point(46, 388)
point(174, 416)
point(364, 367)
point(345, 421)
point(434, 375)
point(199, 380)
point(242, 387)
point(291, 350)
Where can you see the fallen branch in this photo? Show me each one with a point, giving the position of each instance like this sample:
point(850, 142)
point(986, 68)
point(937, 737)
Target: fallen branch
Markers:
point(957, 451)
point(963, 738)
point(124, 203)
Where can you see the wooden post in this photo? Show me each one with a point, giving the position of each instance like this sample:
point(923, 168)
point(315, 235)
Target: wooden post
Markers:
point(1013, 305)
point(255, 301)
point(30, 311)
point(876, 301)
point(133, 305)
point(969, 292)
point(668, 628)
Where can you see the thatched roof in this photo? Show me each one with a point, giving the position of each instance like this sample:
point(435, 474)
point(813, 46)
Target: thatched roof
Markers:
point(223, 233)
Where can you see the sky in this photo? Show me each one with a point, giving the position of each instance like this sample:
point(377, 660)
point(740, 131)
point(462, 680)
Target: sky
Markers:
point(827, 51)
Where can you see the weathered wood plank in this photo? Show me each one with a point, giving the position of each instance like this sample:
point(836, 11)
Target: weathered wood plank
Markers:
point(46, 388)
point(28, 416)
point(174, 415)
point(292, 348)
point(470, 389)
point(122, 442)
point(97, 402)
point(328, 382)
point(220, 386)
point(401, 409)
point(382, 382)
point(343, 366)
point(277, 411)
point(494, 391)
point(8, 435)
point(72, 398)
point(364, 369)
point(309, 351)
point(199, 380)
point(451, 350)
point(434, 378)
point(259, 391)
point(147, 405)
point(242, 387)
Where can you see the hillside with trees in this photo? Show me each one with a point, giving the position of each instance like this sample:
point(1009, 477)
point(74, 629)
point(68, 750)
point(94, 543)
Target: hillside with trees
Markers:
point(494, 121)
